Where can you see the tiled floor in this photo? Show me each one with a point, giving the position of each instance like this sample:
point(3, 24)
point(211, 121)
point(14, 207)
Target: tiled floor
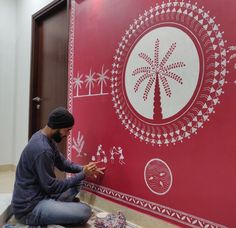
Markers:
point(6, 187)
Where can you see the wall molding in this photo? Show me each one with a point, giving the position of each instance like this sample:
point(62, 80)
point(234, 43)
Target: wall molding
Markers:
point(7, 167)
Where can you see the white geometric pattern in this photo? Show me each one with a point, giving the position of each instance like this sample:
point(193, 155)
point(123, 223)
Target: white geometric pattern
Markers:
point(163, 211)
point(71, 72)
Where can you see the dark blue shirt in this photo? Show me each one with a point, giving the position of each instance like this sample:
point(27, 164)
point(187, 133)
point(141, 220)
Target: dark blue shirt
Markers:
point(35, 177)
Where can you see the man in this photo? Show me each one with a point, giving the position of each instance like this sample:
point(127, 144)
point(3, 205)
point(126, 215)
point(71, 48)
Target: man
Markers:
point(39, 198)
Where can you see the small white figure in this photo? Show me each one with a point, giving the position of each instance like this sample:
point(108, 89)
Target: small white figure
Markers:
point(101, 155)
point(121, 158)
point(118, 152)
point(112, 155)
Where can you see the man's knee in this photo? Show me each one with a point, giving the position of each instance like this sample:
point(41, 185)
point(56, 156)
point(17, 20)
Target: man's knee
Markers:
point(86, 213)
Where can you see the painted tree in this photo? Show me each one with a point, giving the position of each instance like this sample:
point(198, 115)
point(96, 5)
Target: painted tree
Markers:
point(78, 83)
point(78, 144)
point(102, 77)
point(156, 73)
point(90, 80)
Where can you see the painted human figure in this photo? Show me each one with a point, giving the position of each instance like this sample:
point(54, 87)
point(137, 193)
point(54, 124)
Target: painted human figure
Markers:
point(101, 155)
point(119, 152)
point(112, 154)
point(121, 158)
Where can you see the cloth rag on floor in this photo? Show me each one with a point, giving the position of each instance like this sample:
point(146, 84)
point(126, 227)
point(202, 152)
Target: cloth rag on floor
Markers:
point(110, 220)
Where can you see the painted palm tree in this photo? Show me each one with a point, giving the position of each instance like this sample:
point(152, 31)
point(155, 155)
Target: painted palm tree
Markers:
point(156, 74)
point(78, 83)
point(90, 80)
point(102, 77)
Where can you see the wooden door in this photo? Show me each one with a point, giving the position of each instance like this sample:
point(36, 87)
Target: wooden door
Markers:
point(49, 77)
point(49, 74)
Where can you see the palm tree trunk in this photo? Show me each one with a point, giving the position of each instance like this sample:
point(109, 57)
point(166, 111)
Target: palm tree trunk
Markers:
point(101, 87)
point(89, 89)
point(77, 91)
point(157, 110)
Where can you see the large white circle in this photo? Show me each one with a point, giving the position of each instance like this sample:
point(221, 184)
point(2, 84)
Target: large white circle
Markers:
point(185, 52)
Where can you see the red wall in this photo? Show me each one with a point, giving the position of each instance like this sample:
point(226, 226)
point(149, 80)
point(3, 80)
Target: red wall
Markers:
point(152, 87)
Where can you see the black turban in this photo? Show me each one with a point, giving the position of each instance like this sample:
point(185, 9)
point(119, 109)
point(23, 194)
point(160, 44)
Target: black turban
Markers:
point(60, 118)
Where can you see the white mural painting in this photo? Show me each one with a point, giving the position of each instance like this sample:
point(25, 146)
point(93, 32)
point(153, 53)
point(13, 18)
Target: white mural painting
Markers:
point(168, 73)
point(114, 155)
point(89, 81)
point(199, 27)
point(167, 64)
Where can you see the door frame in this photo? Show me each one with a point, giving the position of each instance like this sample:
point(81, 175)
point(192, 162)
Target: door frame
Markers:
point(37, 18)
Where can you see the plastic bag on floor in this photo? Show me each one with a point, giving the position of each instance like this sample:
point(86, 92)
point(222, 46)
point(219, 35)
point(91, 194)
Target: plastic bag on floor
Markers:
point(110, 220)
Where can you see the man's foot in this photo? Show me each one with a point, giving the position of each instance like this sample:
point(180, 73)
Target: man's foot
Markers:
point(76, 199)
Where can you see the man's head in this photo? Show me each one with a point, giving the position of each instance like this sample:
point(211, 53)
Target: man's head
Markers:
point(61, 121)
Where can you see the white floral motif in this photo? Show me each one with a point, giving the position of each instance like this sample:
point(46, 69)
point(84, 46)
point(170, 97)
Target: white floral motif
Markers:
point(78, 145)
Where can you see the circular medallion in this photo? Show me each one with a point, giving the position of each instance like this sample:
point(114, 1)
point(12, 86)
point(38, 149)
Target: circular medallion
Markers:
point(156, 91)
point(168, 73)
point(157, 176)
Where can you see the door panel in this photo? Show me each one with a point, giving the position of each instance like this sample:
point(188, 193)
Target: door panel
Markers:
point(49, 72)
point(52, 62)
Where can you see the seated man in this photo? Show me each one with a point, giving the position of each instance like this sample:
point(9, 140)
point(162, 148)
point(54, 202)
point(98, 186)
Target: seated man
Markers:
point(39, 198)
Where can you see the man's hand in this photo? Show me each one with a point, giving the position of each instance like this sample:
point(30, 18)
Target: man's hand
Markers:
point(92, 168)
point(100, 170)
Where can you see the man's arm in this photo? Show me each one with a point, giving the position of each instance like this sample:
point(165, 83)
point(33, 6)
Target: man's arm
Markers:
point(44, 169)
point(66, 165)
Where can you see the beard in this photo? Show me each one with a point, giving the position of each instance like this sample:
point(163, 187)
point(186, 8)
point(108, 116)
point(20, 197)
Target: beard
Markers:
point(57, 136)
